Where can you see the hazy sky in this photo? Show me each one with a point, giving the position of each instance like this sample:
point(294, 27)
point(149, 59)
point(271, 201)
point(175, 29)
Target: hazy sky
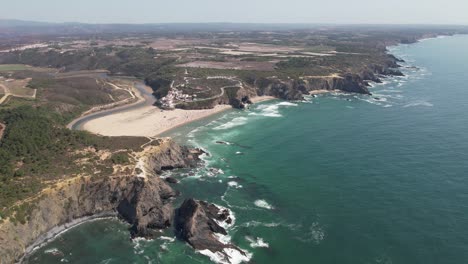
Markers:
point(253, 11)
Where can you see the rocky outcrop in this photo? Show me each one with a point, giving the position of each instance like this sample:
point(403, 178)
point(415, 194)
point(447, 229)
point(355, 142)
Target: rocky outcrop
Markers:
point(143, 201)
point(296, 89)
point(198, 223)
point(286, 90)
point(240, 103)
point(145, 204)
point(351, 83)
point(169, 155)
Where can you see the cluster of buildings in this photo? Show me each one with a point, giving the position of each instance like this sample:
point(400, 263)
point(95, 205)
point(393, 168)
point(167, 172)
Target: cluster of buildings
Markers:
point(174, 96)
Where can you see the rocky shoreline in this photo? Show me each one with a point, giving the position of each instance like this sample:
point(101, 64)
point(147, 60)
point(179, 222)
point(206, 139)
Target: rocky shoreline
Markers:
point(145, 201)
point(142, 200)
point(295, 89)
point(56, 231)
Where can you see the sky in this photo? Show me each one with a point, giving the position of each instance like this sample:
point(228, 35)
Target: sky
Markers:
point(243, 11)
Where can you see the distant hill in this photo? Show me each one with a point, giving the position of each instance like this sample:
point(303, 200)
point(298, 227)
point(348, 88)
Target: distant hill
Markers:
point(12, 27)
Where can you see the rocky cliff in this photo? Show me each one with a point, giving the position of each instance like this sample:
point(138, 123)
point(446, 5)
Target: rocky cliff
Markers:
point(197, 223)
point(141, 198)
point(200, 224)
point(351, 82)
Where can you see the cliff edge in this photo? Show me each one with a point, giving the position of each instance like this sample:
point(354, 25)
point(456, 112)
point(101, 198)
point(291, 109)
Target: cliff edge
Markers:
point(141, 198)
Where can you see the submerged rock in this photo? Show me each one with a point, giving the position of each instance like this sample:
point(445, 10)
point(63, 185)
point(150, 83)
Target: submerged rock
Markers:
point(172, 180)
point(222, 142)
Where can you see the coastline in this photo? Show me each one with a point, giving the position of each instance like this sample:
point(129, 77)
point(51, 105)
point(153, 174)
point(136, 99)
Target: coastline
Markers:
point(111, 124)
point(150, 121)
point(139, 121)
point(147, 121)
point(53, 233)
point(114, 107)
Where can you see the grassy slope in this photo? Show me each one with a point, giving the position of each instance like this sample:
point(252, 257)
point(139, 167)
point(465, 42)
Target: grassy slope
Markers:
point(37, 149)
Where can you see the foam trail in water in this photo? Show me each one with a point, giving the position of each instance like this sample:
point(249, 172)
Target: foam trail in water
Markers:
point(272, 110)
point(238, 121)
point(263, 204)
point(315, 234)
point(418, 103)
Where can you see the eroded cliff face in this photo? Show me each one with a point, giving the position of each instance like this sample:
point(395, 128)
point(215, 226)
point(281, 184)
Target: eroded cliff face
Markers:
point(352, 82)
point(141, 198)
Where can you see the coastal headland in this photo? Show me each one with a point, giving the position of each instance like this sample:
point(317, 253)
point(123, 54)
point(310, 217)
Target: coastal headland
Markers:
point(95, 150)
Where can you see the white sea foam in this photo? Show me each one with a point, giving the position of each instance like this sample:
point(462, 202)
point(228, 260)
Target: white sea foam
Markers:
point(257, 242)
point(192, 133)
point(272, 110)
point(390, 91)
point(138, 247)
point(170, 239)
point(286, 104)
point(315, 234)
point(223, 224)
point(52, 251)
point(268, 110)
point(228, 256)
point(371, 101)
point(263, 204)
point(257, 223)
point(225, 239)
point(234, 184)
point(418, 103)
point(238, 121)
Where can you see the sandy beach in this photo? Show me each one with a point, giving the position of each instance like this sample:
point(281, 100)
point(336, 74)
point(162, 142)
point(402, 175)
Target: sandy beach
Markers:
point(146, 121)
point(150, 121)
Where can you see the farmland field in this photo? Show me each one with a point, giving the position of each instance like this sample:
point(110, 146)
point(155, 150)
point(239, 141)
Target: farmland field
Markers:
point(13, 67)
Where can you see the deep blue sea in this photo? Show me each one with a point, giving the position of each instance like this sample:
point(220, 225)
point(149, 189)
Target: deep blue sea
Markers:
point(334, 179)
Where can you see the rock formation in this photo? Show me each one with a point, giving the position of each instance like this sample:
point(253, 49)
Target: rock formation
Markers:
point(198, 223)
point(142, 201)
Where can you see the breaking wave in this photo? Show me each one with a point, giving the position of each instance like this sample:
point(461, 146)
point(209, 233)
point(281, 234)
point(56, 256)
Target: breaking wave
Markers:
point(257, 242)
point(234, 184)
point(238, 121)
point(228, 256)
point(263, 204)
point(271, 110)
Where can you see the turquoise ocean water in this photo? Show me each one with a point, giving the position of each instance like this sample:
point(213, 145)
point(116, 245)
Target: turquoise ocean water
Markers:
point(334, 179)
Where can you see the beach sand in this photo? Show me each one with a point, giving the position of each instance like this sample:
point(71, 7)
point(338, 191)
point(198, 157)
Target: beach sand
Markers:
point(150, 121)
point(147, 121)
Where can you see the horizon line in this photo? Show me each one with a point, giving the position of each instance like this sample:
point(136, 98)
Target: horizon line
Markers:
point(234, 23)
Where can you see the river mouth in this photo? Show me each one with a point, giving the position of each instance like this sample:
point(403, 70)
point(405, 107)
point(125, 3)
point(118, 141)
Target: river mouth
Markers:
point(145, 93)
